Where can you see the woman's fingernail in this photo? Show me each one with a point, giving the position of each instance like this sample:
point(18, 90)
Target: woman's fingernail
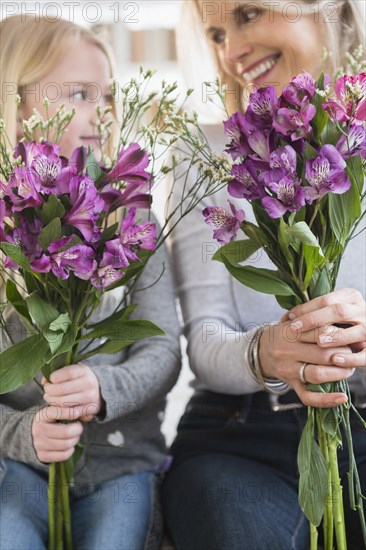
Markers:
point(339, 359)
point(291, 316)
point(351, 371)
point(296, 326)
point(325, 339)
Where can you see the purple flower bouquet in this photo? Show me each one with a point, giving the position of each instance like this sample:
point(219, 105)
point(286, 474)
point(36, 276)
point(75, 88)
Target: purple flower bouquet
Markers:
point(299, 160)
point(55, 232)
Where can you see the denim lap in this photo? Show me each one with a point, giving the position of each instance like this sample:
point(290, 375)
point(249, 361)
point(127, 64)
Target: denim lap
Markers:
point(115, 516)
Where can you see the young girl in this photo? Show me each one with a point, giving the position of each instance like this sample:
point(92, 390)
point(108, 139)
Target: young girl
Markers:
point(234, 479)
point(114, 500)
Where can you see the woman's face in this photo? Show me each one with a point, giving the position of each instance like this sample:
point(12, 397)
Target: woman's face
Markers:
point(258, 46)
point(81, 80)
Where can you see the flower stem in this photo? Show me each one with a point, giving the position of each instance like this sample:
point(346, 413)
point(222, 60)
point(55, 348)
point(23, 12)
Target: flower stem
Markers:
point(59, 516)
point(66, 506)
point(328, 527)
point(337, 496)
point(313, 537)
point(51, 490)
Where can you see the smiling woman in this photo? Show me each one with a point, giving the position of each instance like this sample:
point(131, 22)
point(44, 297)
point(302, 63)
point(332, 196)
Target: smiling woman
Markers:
point(234, 478)
point(263, 43)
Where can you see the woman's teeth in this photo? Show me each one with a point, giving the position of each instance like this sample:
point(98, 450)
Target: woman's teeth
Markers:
point(261, 69)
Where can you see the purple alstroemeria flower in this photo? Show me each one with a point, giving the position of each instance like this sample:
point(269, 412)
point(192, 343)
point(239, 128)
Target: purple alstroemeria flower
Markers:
point(325, 173)
point(354, 143)
point(134, 236)
point(245, 184)
point(290, 197)
point(23, 189)
point(78, 159)
point(237, 129)
point(351, 99)
point(2, 222)
point(115, 255)
point(224, 224)
point(301, 87)
point(26, 237)
point(61, 260)
point(130, 166)
point(262, 143)
point(263, 105)
point(86, 208)
point(296, 124)
point(106, 276)
point(132, 195)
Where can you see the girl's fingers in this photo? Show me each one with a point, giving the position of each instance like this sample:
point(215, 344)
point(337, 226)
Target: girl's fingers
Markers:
point(55, 456)
point(68, 387)
point(71, 372)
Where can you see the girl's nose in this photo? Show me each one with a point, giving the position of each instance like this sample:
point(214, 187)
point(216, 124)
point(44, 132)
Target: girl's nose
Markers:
point(237, 46)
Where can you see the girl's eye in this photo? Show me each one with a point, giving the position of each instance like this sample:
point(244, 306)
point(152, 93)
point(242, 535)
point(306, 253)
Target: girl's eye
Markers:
point(250, 13)
point(108, 99)
point(79, 95)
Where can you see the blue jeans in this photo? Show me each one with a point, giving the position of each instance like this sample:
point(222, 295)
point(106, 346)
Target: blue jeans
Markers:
point(117, 515)
point(234, 480)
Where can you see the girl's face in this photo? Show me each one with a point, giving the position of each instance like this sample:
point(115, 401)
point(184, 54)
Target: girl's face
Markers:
point(80, 80)
point(258, 46)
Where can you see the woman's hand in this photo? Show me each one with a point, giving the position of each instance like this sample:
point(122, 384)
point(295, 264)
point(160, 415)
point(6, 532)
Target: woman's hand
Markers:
point(54, 441)
point(74, 387)
point(321, 317)
point(283, 349)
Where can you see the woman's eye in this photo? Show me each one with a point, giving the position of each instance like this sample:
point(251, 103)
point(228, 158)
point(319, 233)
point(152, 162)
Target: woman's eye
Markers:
point(108, 99)
point(249, 14)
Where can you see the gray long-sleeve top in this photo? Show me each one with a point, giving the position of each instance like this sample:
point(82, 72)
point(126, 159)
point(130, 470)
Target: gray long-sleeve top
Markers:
point(219, 313)
point(133, 384)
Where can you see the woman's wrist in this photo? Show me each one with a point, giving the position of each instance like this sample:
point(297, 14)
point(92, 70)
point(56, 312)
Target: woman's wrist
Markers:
point(271, 385)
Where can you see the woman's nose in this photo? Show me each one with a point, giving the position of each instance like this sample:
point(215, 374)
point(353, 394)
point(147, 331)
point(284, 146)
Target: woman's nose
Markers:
point(237, 46)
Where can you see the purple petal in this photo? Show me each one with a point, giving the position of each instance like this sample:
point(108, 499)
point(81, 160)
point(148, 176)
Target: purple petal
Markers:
point(274, 208)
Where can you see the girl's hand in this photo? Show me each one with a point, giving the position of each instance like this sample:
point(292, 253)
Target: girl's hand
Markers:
point(283, 349)
point(52, 440)
point(74, 387)
point(321, 315)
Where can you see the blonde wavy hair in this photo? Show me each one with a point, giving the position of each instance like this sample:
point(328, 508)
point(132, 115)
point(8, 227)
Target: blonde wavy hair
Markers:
point(342, 36)
point(30, 49)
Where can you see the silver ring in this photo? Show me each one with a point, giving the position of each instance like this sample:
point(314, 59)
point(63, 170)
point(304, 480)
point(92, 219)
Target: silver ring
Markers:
point(302, 373)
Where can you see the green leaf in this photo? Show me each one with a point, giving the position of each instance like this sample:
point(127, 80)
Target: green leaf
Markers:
point(50, 233)
point(92, 167)
point(19, 304)
point(262, 280)
point(321, 117)
point(16, 254)
point(30, 282)
point(107, 234)
point(58, 358)
point(125, 331)
point(123, 314)
point(284, 242)
point(309, 152)
point(302, 233)
point(41, 312)
point(288, 302)
point(313, 259)
point(344, 210)
point(355, 172)
point(236, 251)
point(20, 363)
point(313, 482)
point(322, 284)
point(52, 209)
point(55, 332)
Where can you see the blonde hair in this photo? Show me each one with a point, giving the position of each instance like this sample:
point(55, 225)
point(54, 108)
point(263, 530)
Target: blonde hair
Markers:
point(343, 35)
point(30, 49)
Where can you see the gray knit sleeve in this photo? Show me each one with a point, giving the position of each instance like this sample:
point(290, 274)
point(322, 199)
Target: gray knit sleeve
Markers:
point(133, 381)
